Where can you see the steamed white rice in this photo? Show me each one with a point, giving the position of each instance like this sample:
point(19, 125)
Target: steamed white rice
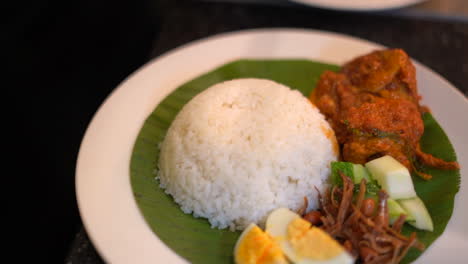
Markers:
point(243, 148)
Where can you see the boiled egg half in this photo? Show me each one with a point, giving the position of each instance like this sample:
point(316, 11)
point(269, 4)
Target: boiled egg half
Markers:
point(254, 246)
point(303, 243)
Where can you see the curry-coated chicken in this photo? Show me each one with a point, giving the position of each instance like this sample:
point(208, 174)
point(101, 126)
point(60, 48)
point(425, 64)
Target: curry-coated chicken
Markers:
point(373, 106)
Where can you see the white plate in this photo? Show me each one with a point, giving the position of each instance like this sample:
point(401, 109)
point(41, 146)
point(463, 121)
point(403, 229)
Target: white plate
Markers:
point(359, 5)
point(107, 206)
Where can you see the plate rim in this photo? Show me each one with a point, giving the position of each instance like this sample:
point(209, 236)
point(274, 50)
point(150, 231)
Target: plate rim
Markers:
point(359, 5)
point(90, 131)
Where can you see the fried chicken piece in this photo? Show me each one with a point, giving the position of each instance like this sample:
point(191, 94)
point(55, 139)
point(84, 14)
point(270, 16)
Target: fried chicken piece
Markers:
point(397, 118)
point(386, 73)
point(373, 106)
point(330, 96)
point(435, 162)
point(360, 150)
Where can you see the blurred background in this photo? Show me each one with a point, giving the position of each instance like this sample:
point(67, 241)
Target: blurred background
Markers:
point(66, 57)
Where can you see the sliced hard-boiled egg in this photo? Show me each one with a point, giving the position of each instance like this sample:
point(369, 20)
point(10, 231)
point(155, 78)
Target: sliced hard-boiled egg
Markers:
point(254, 246)
point(277, 225)
point(302, 243)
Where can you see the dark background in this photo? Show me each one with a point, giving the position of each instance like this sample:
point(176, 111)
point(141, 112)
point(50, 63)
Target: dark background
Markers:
point(65, 58)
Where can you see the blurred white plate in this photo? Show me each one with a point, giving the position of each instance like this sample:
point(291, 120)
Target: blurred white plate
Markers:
point(359, 5)
point(107, 206)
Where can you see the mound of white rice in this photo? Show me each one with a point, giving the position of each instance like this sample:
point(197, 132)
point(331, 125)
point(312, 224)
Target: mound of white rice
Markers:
point(243, 148)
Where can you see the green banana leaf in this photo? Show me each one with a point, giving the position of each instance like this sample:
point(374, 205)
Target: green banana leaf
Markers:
point(192, 238)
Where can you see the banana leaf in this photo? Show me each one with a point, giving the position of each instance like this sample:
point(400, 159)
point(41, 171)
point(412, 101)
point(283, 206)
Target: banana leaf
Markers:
point(192, 238)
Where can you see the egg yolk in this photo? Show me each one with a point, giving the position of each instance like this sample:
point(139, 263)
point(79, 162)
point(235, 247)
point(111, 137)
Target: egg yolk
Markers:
point(258, 247)
point(313, 242)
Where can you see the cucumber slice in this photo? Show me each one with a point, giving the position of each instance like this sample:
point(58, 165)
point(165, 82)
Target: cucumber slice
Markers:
point(417, 210)
point(392, 176)
point(395, 210)
point(354, 171)
point(359, 173)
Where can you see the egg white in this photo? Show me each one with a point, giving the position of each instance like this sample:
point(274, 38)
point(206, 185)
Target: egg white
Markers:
point(277, 226)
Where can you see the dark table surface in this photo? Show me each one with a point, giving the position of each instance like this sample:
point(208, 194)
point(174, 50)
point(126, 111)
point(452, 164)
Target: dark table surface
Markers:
point(91, 50)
